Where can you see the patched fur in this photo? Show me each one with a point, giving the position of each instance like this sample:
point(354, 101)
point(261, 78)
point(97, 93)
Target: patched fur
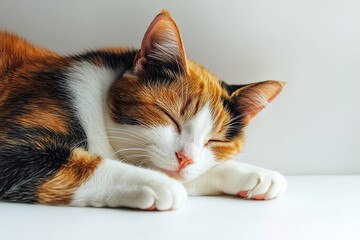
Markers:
point(66, 121)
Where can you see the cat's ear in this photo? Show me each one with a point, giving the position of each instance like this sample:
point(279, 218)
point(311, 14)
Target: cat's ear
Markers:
point(252, 98)
point(230, 88)
point(161, 47)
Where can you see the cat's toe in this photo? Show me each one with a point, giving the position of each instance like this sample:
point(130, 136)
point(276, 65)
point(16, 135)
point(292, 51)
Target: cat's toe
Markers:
point(273, 186)
point(270, 185)
point(243, 194)
point(167, 194)
point(278, 186)
point(152, 208)
point(260, 196)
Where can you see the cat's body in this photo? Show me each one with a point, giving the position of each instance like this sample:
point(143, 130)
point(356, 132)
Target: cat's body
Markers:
point(66, 121)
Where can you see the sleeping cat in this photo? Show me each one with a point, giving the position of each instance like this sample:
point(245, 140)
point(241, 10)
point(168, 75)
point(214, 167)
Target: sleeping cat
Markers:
point(124, 128)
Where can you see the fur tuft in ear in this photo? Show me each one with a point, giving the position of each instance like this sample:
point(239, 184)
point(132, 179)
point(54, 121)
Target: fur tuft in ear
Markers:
point(252, 98)
point(161, 49)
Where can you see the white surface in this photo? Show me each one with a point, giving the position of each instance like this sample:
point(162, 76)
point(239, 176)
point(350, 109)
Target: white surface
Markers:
point(314, 207)
point(312, 128)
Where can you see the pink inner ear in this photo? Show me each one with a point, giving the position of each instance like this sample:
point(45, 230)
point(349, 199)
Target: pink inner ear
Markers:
point(147, 41)
point(253, 98)
point(164, 32)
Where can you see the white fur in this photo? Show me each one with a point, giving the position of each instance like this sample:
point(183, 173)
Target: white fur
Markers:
point(166, 49)
point(89, 85)
point(156, 147)
point(193, 138)
point(231, 177)
point(115, 184)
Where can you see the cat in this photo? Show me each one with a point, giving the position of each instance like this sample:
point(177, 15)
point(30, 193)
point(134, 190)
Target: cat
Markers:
point(120, 127)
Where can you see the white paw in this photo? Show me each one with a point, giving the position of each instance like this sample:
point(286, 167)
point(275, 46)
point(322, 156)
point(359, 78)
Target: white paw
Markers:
point(161, 194)
point(255, 183)
point(115, 184)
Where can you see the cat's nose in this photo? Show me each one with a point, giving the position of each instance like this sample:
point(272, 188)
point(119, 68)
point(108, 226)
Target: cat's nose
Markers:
point(183, 160)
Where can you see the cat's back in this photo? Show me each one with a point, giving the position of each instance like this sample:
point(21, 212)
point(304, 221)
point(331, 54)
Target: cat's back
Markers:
point(15, 52)
point(17, 57)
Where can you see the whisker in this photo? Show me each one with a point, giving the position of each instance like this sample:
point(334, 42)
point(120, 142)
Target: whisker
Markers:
point(130, 133)
point(127, 149)
point(132, 156)
point(127, 140)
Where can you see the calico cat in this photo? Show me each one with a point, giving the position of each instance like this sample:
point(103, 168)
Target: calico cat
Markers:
point(123, 127)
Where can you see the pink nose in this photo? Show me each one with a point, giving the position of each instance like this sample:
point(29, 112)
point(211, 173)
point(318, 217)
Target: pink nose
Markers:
point(183, 160)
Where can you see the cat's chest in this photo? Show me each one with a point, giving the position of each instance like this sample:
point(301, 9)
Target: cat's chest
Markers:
point(89, 85)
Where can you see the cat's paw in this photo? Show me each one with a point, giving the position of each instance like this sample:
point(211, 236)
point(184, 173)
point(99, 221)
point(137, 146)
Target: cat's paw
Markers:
point(257, 184)
point(263, 185)
point(162, 194)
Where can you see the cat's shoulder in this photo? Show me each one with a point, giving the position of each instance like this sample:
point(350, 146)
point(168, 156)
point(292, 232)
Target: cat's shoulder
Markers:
point(15, 52)
point(7, 37)
point(13, 42)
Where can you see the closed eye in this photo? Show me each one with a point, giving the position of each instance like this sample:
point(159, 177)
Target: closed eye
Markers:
point(216, 141)
point(176, 123)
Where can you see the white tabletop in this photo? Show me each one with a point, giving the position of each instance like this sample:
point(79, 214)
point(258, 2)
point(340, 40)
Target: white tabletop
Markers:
point(314, 207)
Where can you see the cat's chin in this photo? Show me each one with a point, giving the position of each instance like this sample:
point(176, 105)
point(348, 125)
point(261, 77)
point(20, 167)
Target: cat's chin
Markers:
point(173, 174)
point(178, 176)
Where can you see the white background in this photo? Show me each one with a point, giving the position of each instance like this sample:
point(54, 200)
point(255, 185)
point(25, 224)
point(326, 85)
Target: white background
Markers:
point(304, 213)
point(314, 125)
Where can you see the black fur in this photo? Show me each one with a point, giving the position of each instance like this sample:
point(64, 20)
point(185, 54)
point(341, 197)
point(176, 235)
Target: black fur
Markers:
point(155, 70)
point(230, 88)
point(24, 167)
point(236, 125)
point(30, 156)
point(109, 59)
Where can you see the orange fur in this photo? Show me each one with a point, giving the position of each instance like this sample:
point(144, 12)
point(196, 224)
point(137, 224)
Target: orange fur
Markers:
point(48, 115)
point(60, 188)
point(161, 87)
point(18, 59)
point(181, 99)
point(16, 52)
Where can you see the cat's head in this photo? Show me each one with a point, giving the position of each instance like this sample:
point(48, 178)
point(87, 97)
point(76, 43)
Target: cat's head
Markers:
point(170, 114)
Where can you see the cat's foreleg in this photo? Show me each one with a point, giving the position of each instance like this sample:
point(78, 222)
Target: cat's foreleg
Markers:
point(234, 178)
point(88, 180)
